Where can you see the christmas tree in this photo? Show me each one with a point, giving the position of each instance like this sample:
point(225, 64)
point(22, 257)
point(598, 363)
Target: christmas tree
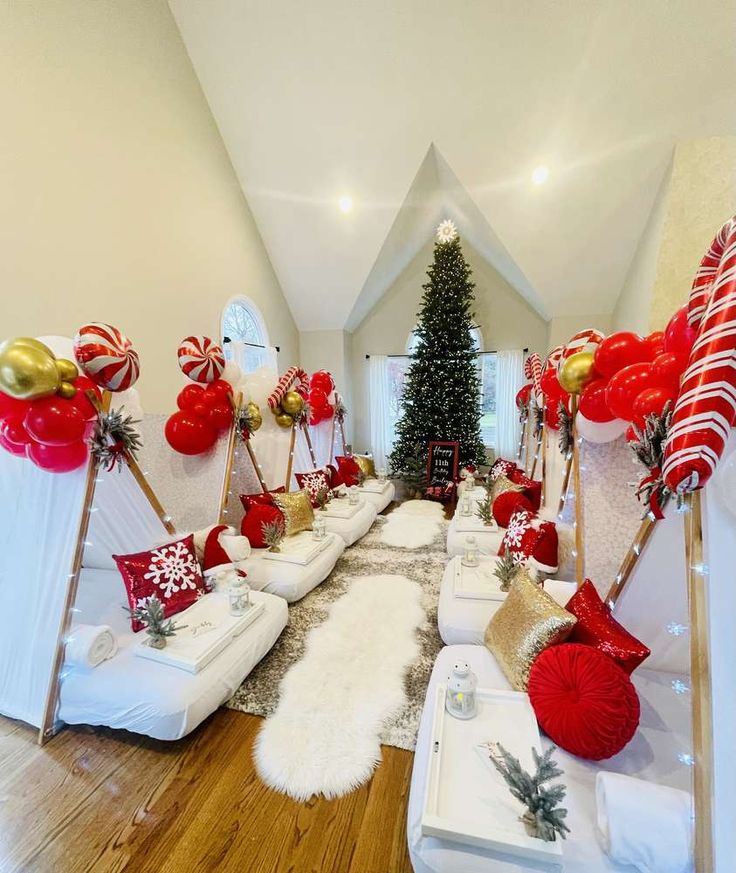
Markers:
point(441, 398)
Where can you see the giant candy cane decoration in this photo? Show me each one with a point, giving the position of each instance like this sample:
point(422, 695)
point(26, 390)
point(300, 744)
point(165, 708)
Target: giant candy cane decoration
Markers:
point(706, 406)
point(294, 376)
point(533, 371)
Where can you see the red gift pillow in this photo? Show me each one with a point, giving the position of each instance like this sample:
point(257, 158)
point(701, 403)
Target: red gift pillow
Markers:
point(583, 701)
point(171, 572)
point(348, 469)
point(261, 498)
point(313, 482)
point(252, 524)
point(506, 504)
point(532, 487)
point(596, 627)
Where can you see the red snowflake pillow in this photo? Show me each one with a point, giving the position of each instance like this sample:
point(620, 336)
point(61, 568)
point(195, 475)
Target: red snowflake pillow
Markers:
point(501, 467)
point(314, 482)
point(252, 524)
point(532, 487)
point(348, 469)
point(171, 572)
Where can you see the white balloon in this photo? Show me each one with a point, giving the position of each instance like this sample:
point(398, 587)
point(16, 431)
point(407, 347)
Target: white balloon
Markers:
point(61, 346)
point(600, 432)
point(131, 400)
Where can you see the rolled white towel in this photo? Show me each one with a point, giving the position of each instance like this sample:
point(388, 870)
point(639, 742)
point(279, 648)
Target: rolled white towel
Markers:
point(643, 824)
point(88, 645)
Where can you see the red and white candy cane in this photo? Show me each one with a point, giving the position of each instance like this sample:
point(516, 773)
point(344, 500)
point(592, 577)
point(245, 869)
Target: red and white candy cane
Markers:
point(106, 355)
point(533, 371)
point(200, 359)
point(295, 378)
point(705, 410)
point(553, 358)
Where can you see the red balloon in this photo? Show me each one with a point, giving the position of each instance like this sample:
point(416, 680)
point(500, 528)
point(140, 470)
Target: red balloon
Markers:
point(221, 387)
point(212, 397)
point(523, 395)
point(190, 396)
point(550, 384)
point(11, 406)
point(631, 436)
point(220, 416)
point(655, 344)
point(667, 369)
point(189, 434)
point(552, 415)
point(58, 459)
point(18, 449)
point(81, 402)
point(678, 335)
point(13, 430)
point(625, 386)
point(593, 405)
point(322, 380)
point(200, 409)
point(651, 400)
point(619, 350)
point(55, 421)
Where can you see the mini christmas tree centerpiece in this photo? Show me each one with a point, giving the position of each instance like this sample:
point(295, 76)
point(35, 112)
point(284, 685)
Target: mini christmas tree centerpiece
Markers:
point(544, 818)
point(273, 534)
point(485, 509)
point(506, 570)
point(150, 612)
point(322, 498)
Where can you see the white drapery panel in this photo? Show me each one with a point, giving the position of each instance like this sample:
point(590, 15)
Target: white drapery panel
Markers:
point(509, 379)
point(382, 434)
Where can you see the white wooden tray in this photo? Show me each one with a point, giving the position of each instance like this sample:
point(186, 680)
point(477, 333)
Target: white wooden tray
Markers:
point(477, 583)
point(472, 524)
point(465, 800)
point(192, 648)
point(342, 510)
point(374, 486)
point(299, 549)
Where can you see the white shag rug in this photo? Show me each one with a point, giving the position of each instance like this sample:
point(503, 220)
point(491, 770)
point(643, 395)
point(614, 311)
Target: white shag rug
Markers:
point(413, 525)
point(324, 737)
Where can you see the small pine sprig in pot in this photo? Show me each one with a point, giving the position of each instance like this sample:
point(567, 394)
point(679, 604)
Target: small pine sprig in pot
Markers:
point(273, 534)
point(565, 418)
point(361, 478)
point(649, 451)
point(322, 498)
point(485, 509)
point(114, 437)
point(544, 818)
point(150, 612)
point(506, 569)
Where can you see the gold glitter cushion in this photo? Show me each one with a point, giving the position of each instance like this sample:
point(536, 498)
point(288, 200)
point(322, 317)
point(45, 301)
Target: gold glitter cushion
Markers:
point(527, 622)
point(367, 467)
point(502, 485)
point(297, 510)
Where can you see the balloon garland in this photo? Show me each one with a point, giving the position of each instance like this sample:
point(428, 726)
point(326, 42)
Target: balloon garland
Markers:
point(286, 401)
point(201, 359)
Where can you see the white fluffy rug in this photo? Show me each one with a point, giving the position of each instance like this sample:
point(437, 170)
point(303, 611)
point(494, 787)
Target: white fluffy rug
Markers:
point(324, 736)
point(413, 525)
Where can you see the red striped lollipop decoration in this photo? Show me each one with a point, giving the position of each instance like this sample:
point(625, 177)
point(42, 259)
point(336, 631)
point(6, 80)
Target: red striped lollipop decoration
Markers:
point(533, 371)
point(553, 358)
point(106, 355)
point(705, 410)
point(295, 378)
point(200, 359)
point(583, 341)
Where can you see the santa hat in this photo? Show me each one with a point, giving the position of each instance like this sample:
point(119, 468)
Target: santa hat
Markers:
point(544, 555)
point(216, 559)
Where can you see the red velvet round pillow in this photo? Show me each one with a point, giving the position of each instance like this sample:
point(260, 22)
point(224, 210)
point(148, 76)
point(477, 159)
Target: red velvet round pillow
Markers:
point(506, 504)
point(583, 701)
point(252, 524)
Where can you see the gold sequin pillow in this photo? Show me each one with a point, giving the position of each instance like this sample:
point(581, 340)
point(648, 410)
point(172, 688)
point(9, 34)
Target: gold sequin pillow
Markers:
point(297, 510)
point(367, 467)
point(501, 485)
point(526, 623)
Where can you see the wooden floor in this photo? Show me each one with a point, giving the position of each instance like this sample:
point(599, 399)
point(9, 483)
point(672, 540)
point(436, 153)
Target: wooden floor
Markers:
point(101, 800)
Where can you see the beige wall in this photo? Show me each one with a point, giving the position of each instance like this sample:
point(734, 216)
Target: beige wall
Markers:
point(118, 201)
point(330, 350)
point(562, 328)
point(506, 321)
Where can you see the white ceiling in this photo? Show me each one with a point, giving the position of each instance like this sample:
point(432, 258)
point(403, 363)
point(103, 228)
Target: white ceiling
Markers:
point(328, 97)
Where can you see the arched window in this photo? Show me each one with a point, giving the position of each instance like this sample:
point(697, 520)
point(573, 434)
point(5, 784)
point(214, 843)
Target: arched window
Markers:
point(244, 335)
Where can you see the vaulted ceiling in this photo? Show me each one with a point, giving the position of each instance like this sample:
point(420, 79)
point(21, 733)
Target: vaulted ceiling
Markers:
point(416, 109)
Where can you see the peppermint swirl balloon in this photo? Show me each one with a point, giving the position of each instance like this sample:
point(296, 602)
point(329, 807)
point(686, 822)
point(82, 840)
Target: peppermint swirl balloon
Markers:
point(201, 359)
point(583, 341)
point(106, 355)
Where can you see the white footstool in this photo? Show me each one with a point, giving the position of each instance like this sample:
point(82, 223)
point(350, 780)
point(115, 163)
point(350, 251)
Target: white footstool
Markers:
point(352, 529)
point(463, 620)
point(292, 581)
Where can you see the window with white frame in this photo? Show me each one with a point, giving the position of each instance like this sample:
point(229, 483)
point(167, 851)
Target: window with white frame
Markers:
point(244, 335)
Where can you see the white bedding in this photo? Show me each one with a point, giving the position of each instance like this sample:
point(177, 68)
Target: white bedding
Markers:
point(352, 529)
point(138, 695)
point(663, 734)
point(489, 541)
point(382, 500)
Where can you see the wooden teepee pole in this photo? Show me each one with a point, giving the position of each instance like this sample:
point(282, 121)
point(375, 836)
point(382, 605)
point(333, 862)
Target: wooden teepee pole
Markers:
point(290, 462)
point(308, 438)
point(579, 539)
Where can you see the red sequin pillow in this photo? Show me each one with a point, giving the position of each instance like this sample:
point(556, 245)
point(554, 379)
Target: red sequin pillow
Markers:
point(252, 524)
point(314, 482)
point(171, 572)
point(583, 701)
point(348, 469)
point(596, 627)
point(506, 504)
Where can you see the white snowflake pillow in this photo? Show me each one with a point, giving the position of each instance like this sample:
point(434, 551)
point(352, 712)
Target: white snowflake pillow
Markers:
point(313, 482)
point(170, 571)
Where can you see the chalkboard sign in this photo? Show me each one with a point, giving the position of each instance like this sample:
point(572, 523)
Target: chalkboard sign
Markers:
point(442, 462)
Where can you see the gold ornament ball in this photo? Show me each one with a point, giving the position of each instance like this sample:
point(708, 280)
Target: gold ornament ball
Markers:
point(576, 371)
point(292, 403)
point(284, 420)
point(68, 371)
point(27, 369)
point(254, 413)
point(66, 390)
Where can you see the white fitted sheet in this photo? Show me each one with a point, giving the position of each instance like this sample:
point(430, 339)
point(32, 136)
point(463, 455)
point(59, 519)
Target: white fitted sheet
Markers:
point(663, 733)
point(157, 700)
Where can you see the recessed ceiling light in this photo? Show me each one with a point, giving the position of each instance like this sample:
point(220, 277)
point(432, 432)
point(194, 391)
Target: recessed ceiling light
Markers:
point(540, 175)
point(345, 203)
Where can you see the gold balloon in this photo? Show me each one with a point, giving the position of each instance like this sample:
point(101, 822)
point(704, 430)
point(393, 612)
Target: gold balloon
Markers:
point(27, 369)
point(284, 420)
point(67, 370)
point(254, 414)
point(576, 371)
point(66, 390)
point(292, 403)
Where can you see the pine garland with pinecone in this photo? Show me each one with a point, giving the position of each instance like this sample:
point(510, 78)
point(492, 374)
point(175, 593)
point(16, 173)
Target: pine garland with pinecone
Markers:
point(114, 437)
point(538, 421)
point(565, 420)
point(649, 451)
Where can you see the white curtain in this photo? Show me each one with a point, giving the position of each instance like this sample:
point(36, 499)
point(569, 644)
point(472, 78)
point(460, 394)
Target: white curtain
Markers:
point(382, 435)
point(509, 379)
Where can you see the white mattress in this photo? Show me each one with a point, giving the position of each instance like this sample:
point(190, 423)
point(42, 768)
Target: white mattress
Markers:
point(380, 501)
point(139, 695)
point(352, 529)
point(462, 620)
point(292, 581)
point(489, 541)
point(663, 734)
